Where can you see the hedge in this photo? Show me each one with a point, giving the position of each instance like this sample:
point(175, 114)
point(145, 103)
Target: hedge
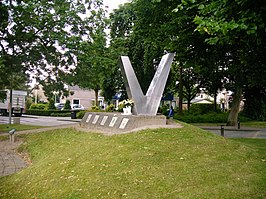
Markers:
point(207, 118)
point(38, 106)
point(63, 113)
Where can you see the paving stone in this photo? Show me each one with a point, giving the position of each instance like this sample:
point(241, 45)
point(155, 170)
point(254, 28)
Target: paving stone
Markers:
point(10, 161)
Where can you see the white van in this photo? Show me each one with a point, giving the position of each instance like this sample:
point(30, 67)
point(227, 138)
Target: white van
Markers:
point(18, 102)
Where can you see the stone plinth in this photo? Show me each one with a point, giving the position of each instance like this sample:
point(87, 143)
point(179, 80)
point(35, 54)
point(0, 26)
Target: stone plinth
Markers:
point(16, 120)
point(116, 123)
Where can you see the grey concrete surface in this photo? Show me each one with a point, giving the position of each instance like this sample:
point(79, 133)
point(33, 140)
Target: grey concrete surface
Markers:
point(234, 132)
point(10, 161)
point(41, 120)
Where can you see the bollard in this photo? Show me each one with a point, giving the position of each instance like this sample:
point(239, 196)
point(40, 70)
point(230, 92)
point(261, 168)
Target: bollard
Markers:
point(222, 130)
point(16, 120)
point(238, 124)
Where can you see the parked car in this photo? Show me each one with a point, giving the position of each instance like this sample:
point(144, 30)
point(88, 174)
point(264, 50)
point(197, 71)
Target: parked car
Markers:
point(77, 107)
point(59, 106)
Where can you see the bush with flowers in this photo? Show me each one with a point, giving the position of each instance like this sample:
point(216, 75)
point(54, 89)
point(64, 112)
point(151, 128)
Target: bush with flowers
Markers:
point(124, 104)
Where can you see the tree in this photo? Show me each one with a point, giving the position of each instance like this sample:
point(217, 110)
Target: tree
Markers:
point(170, 31)
point(120, 25)
point(54, 87)
point(191, 85)
point(216, 38)
point(239, 25)
point(92, 60)
point(67, 105)
point(38, 36)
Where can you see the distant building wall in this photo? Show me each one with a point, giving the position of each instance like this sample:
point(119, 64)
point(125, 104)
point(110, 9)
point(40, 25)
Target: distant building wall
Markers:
point(39, 94)
point(81, 96)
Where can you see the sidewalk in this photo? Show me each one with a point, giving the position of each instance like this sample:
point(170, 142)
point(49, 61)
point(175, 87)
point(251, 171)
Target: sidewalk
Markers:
point(234, 132)
point(10, 161)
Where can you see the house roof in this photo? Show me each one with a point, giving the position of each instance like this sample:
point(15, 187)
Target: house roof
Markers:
point(200, 101)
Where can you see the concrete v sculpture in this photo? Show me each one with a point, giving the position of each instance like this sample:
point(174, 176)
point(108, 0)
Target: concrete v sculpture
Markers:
point(146, 104)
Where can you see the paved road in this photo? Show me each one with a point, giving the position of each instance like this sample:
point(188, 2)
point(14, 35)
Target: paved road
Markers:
point(41, 120)
point(232, 132)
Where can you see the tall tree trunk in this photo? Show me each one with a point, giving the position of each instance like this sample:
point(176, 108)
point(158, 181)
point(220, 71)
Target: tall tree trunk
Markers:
point(215, 101)
point(96, 97)
point(180, 104)
point(233, 115)
point(188, 102)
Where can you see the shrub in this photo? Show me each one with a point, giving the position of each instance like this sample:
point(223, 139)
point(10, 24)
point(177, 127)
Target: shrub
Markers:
point(110, 108)
point(81, 114)
point(28, 102)
point(60, 114)
point(40, 112)
point(38, 106)
point(164, 109)
point(199, 109)
point(65, 113)
point(67, 105)
point(124, 104)
point(94, 108)
point(51, 105)
point(206, 118)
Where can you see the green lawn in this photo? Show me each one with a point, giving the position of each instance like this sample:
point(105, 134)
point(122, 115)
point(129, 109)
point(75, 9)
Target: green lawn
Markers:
point(4, 128)
point(161, 163)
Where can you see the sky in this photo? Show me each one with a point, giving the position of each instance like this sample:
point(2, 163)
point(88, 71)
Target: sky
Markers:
point(112, 4)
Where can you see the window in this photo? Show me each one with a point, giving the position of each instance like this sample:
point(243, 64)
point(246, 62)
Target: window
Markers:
point(75, 101)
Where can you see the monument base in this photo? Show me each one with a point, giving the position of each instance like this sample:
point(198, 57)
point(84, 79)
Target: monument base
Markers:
point(116, 123)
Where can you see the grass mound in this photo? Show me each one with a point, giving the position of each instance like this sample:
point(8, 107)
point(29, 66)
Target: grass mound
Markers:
point(162, 163)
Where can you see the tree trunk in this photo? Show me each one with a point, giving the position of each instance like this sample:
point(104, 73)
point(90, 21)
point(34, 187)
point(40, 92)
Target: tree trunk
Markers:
point(188, 103)
point(215, 101)
point(233, 115)
point(96, 97)
point(180, 104)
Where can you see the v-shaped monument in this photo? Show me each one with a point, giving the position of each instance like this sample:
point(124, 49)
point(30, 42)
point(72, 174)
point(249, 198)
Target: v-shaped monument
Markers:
point(147, 104)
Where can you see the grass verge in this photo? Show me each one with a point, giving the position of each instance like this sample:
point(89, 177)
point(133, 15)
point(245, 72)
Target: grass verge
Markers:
point(161, 163)
point(4, 128)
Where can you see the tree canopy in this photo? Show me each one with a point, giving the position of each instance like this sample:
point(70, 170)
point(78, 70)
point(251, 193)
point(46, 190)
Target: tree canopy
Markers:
point(39, 36)
point(218, 44)
point(221, 43)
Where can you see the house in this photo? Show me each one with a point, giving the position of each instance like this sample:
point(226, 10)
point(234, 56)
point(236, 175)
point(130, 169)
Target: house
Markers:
point(38, 94)
point(77, 95)
point(81, 96)
point(223, 99)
